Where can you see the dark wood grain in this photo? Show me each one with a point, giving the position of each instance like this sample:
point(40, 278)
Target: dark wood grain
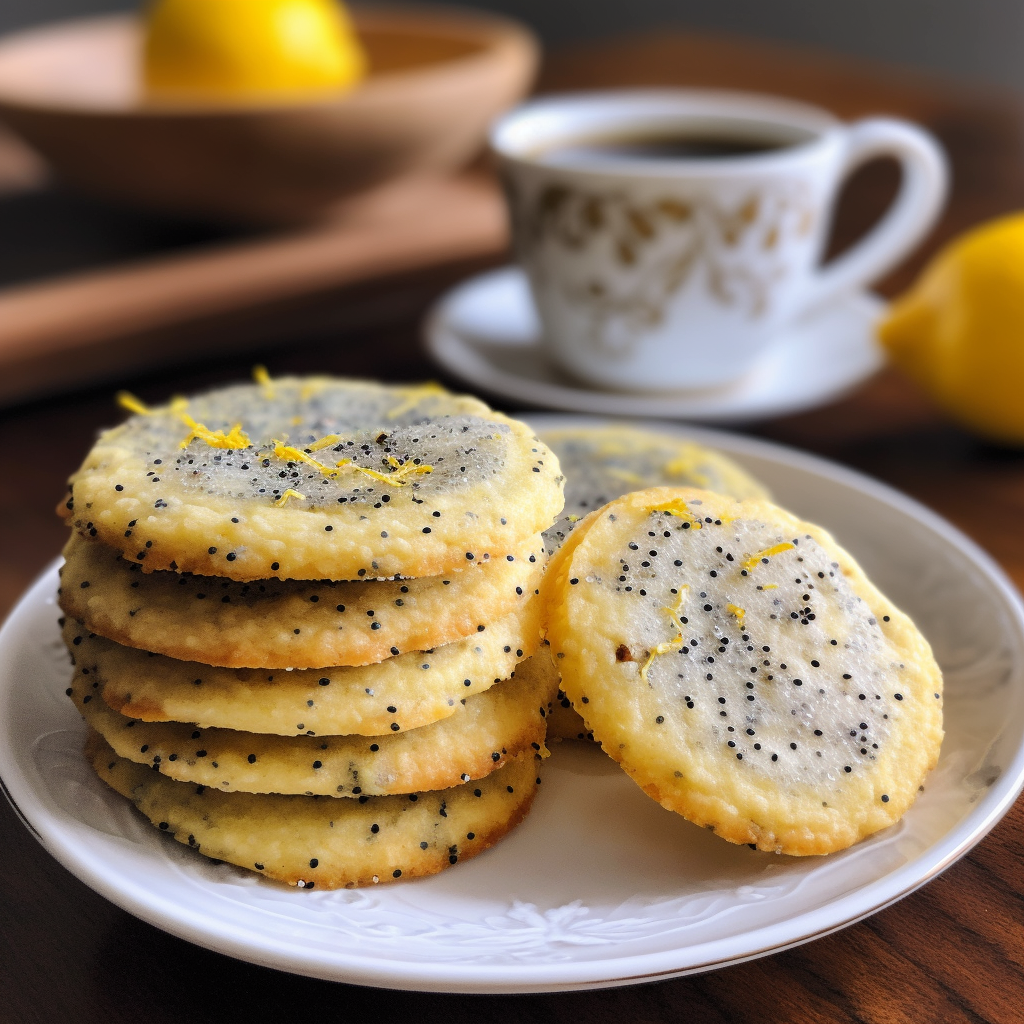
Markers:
point(951, 952)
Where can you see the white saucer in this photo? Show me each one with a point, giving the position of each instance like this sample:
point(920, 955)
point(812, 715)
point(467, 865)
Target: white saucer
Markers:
point(486, 332)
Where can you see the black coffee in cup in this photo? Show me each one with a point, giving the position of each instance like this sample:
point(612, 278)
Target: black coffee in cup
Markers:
point(679, 143)
point(671, 237)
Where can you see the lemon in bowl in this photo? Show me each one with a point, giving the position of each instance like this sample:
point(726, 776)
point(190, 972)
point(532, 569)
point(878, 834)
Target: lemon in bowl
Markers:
point(959, 331)
point(255, 49)
point(437, 78)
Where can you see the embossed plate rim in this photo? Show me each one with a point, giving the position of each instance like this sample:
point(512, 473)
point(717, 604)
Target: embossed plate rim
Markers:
point(94, 856)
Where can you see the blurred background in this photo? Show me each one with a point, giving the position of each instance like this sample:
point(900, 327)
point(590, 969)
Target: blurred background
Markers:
point(972, 39)
point(150, 240)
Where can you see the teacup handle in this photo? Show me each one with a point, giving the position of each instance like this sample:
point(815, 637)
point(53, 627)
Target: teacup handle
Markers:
point(921, 196)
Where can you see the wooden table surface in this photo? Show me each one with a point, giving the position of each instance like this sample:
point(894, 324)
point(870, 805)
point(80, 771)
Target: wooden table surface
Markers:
point(952, 952)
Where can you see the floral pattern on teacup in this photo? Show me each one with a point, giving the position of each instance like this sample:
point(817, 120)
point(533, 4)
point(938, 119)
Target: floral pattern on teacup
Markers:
point(629, 257)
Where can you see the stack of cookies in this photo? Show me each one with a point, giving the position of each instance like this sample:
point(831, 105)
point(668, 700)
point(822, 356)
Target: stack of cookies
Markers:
point(301, 614)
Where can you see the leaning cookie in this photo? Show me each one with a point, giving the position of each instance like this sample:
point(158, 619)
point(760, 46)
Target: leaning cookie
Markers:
point(310, 841)
point(486, 732)
point(315, 478)
point(743, 670)
point(289, 623)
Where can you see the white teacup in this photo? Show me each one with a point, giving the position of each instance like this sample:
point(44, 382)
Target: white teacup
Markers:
point(654, 270)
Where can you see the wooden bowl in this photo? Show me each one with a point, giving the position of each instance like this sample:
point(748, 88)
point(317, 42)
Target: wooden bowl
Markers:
point(438, 78)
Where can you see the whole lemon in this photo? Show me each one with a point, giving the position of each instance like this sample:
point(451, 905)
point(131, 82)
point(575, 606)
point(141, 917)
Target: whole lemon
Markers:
point(959, 331)
point(248, 49)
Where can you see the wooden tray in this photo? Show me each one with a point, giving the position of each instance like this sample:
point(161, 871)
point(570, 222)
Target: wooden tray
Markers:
point(87, 326)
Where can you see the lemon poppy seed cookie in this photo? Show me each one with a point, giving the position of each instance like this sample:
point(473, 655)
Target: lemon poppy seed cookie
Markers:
point(315, 479)
point(486, 731)
point(604, 462)
point(289, 623)
point(321, 842)
point(399, 693)
point(304, 590)
point(743, 670)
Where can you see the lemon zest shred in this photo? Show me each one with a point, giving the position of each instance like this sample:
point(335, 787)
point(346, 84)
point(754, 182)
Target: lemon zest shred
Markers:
point(128, 401)
point(740, 613)
point(292, 454)
point(678, 508)
point(324, 442)
point(770, 586)
point(403, 470)
point(667, 646)
point(573, 518)
point(676, 610)
point(412, 394)
point(283, 500)
point(234, 439)
point(662, 648)
point(775, 549)
point(263, 378)
point(396, 478)
point(373, 473)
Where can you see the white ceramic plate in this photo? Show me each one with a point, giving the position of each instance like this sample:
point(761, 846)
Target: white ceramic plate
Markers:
point(486, 332)
point(600, 886)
